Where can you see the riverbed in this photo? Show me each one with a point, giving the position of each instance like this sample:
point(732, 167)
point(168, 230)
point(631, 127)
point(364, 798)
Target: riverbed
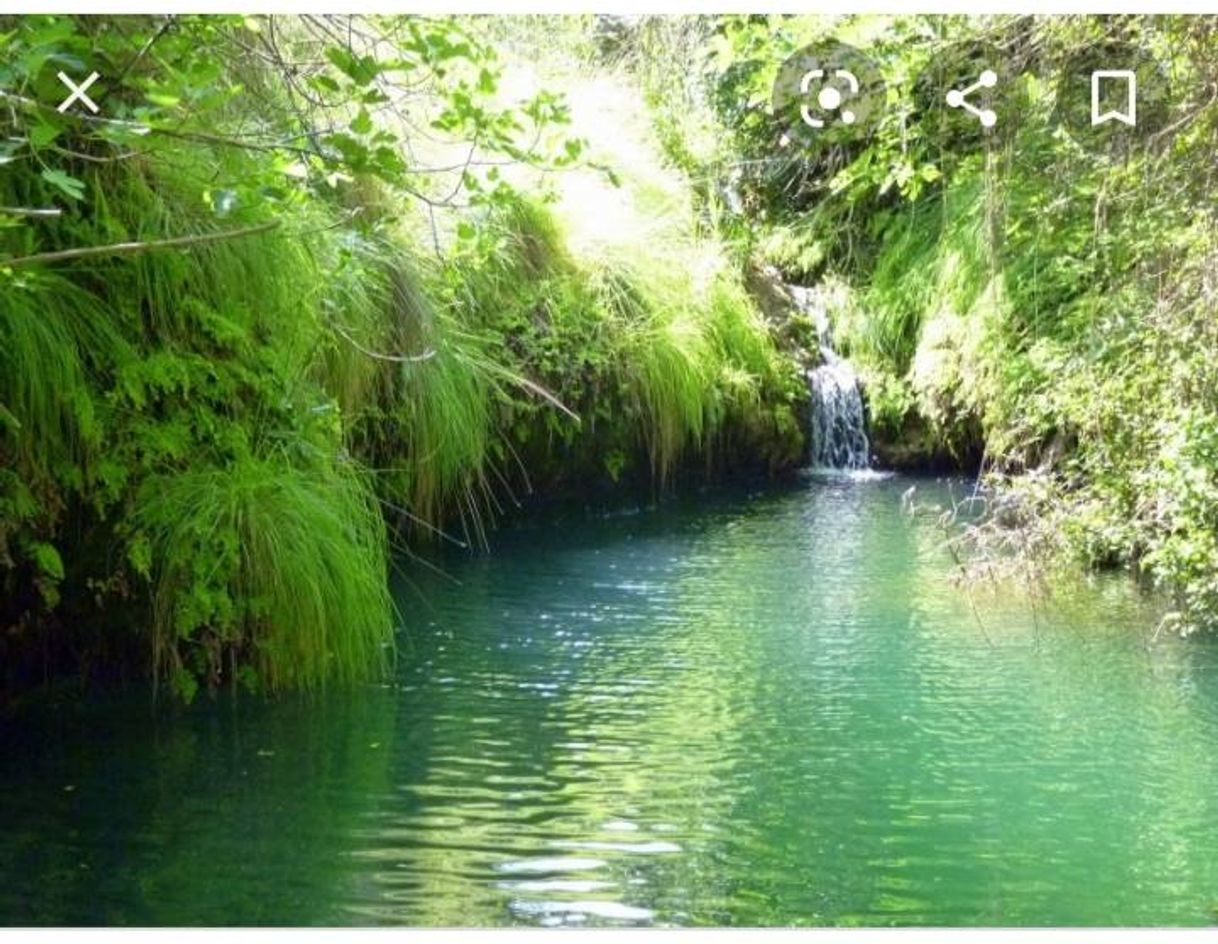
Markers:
point(772, 707)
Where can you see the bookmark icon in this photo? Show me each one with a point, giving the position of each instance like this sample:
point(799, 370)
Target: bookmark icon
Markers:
point(1129, 114)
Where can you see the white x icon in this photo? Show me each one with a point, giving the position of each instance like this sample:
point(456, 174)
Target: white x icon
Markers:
point(78, 91)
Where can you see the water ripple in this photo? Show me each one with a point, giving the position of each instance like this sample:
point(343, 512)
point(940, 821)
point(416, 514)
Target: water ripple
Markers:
point(773, 709)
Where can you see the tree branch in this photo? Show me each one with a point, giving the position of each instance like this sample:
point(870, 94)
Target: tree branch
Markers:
point(65, 255)
point(137, 128)
point(32, 211)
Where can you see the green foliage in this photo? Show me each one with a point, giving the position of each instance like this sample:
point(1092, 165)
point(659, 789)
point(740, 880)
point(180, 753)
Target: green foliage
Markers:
point(656, 353)
point(281, 568)
point(1036, 298)
point(162, 384)
point(933, 260)
point(53, 336)
point(205, 447)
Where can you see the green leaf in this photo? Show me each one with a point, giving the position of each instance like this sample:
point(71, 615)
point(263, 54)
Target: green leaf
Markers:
point(362, 123)
point(324, 82)
point(73, 188)
point(43, 134)
point(360, 69)
point(164, 99)
point(46, 559)
point(139, 554)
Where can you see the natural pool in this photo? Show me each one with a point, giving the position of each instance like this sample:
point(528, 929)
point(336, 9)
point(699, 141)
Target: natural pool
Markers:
point(742, 708)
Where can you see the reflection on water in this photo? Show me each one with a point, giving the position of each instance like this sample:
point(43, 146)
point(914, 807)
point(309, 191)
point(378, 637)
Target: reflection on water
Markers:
point(759, 709)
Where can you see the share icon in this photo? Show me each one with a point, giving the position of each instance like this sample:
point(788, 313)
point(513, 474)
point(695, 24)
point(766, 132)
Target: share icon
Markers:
point(958, 98)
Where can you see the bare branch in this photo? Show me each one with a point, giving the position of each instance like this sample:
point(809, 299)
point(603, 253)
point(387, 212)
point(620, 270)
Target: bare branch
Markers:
point(165, 27)
point(40, 212)
point(132, 248)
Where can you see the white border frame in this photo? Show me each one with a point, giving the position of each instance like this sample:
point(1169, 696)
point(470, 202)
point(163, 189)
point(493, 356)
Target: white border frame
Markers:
point(627, 7)
point(620, 936)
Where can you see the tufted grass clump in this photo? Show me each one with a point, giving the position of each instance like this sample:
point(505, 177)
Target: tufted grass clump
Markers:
point(656, 349)
point(54, 338)
point(283, 570)
point(230, 377)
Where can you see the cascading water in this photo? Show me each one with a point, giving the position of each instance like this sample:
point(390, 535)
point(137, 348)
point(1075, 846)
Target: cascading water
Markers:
point(838, 431)
point(839, 426)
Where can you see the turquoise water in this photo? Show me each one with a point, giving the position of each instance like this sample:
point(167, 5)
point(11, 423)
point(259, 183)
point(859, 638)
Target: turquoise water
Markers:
point(773, 708)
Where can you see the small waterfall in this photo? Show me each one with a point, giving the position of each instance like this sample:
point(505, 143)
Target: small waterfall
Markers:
point(839, 426)
point(839, 423)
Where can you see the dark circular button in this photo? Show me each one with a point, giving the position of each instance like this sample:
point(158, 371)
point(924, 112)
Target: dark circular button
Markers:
point(964, 98)
point(1112, 96)
point(828, 93)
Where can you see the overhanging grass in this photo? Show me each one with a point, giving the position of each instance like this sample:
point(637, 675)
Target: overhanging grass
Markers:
point(934, 258)
point(53, 338)
point(240, 383)
point(280, 568)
